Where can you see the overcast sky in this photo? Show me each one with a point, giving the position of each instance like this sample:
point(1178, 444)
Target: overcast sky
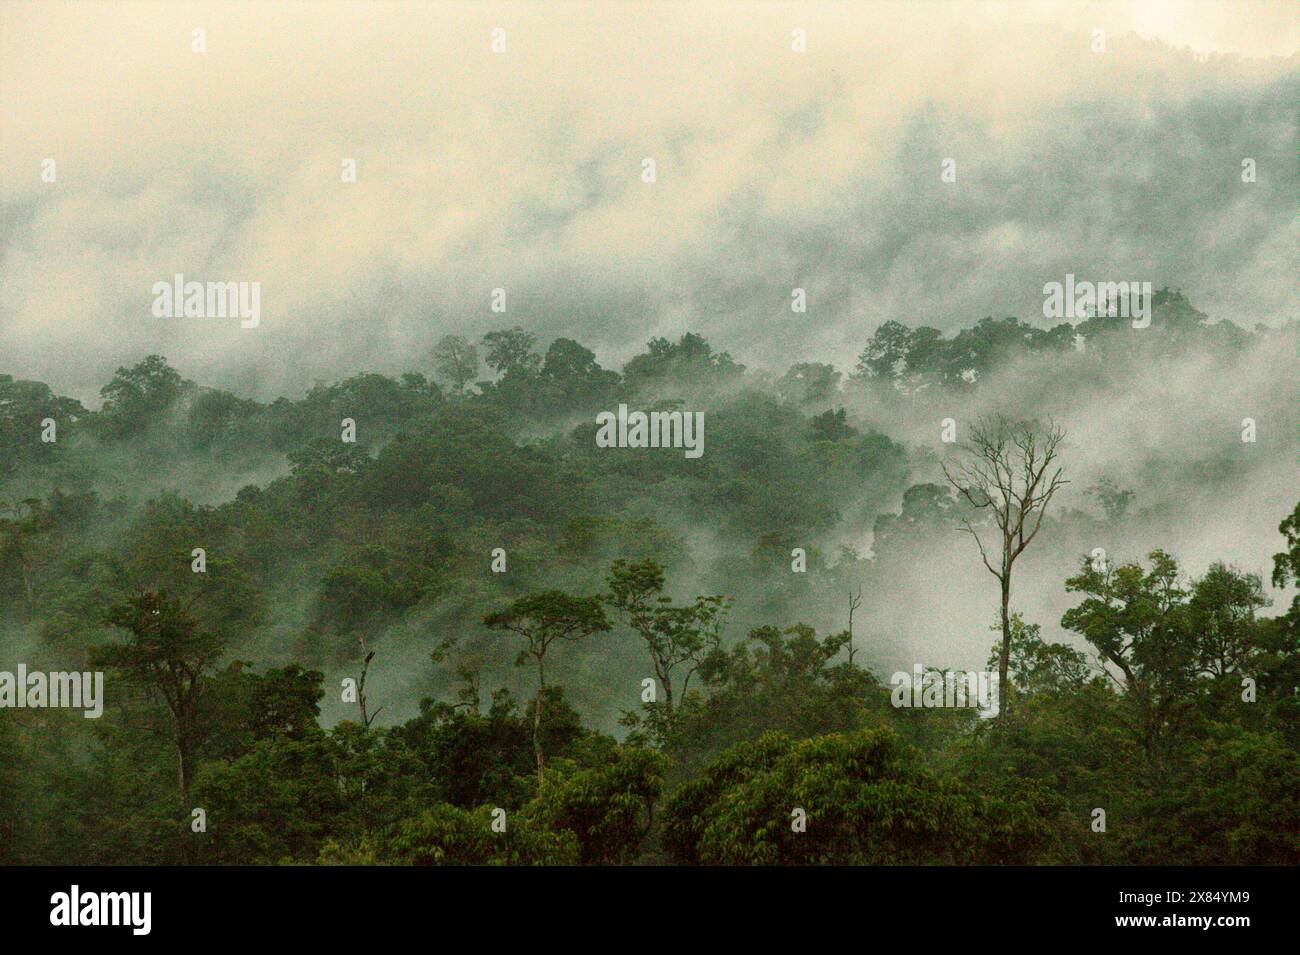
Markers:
point(522, 170)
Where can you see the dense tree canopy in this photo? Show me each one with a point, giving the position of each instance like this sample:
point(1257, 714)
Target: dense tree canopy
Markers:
point(692, 693)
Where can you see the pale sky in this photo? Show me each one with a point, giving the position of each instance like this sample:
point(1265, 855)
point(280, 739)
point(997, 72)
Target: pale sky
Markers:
point(522, 170)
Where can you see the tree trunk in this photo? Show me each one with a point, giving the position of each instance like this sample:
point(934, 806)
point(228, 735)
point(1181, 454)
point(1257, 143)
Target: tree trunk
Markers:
point(185, 771)
point(666, 680)
point(1004, 658)
point(537, 723)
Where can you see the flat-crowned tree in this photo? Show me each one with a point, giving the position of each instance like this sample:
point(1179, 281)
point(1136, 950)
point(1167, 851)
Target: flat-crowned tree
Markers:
point(542, 619)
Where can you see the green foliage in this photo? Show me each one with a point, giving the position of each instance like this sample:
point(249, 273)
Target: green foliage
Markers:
point(832, 426)
point(1176, 652)
point(312, 543)
point(512, 352)
point(865, 800)
point(445, 835)
point(24, 405)
point(1037, 666)
point(455, 361)
point(775, 680)
point(472, 757)
point(690, 360)
point(678, 638)
point(138, 397)
point(1234, 801)
point(543, 618)
point(608, 807)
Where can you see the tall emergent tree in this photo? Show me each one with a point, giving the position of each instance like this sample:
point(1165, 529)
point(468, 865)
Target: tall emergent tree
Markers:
point(541, 619)
point(455, 361)
point(675, 636)
point(169, 652)
point(1007, 468)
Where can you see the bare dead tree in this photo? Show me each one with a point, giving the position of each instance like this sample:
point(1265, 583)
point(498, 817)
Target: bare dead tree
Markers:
point(367, 656)
point(1007, 468)
point(855, 601)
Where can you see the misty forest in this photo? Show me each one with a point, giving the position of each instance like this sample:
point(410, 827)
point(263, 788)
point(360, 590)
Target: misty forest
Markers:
point(425, 619)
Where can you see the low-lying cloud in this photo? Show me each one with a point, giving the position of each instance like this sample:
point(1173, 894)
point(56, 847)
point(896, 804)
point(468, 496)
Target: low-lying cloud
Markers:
point(522, 170)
